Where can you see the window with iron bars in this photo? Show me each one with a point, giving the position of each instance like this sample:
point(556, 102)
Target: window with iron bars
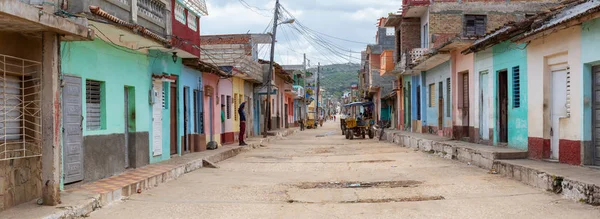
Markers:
point(20, 107)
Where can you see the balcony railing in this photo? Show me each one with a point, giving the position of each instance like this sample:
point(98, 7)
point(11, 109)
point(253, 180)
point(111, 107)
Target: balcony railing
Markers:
point(154, 9)
point(410, 58)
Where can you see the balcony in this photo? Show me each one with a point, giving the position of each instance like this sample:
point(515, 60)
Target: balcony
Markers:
point(410, 59)
point(150, 14)
point(414, 8)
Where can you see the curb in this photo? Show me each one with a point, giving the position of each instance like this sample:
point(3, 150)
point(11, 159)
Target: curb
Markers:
point(568, 188)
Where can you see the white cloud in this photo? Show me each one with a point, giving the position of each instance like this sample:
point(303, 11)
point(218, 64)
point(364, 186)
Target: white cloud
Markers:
point(348, 19)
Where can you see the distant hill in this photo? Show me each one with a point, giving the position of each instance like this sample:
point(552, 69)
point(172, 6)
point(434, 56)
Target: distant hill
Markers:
point(338, 78)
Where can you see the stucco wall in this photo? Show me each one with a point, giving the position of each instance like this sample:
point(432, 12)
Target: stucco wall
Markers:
point(462, 64)
point(104, 149)
point(506, 57)
point(225, 88)
point(238, 90)
point(211, 80)
point(562, 46)
point(483, 83)
point(162, 63)
point(190, 78)
point(436, 75)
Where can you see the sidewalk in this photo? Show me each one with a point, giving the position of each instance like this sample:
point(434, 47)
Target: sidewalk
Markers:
point(81, 201)
point(573, 182)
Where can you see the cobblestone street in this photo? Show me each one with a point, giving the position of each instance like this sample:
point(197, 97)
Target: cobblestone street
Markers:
point(319, 174)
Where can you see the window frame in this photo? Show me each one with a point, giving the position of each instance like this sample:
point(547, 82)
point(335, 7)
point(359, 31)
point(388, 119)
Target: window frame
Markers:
point(477, 31)
point(180, 14)
point(192, 21)
point(100, 101)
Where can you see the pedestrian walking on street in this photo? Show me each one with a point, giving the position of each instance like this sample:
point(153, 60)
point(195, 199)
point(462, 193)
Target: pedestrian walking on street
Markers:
point(242, 123)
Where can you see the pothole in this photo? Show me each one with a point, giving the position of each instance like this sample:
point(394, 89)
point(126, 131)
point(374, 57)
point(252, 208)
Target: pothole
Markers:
point(406, 199)
point(372, 161)
point(323, 150)
point(325, 134)
point(375, 200)
point(343, 185)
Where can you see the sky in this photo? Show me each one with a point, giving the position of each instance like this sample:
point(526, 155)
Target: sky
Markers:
point(353, 20)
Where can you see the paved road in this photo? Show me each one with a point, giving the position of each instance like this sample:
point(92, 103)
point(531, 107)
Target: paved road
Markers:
point(305, 176)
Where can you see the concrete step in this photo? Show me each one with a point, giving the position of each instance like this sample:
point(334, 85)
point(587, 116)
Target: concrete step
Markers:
point(475, 154)
point(577, 183)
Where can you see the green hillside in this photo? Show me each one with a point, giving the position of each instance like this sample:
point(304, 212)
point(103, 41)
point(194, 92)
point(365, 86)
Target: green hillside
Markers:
point(338, 78)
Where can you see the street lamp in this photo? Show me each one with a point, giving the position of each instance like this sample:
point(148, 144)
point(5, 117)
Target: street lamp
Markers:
point(288, 21)
point(270, 73)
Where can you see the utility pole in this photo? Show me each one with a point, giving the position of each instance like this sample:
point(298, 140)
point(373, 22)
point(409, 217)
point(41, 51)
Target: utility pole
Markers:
point(318, 91)
point(304, 109)
point(270, 74)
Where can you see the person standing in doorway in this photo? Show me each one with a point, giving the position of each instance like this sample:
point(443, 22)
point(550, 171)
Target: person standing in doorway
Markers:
point(222, 118)
point(242, 123)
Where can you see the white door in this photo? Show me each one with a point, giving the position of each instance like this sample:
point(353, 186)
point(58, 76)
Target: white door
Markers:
point(559, 109)
point(484, 107)
point(157, 107)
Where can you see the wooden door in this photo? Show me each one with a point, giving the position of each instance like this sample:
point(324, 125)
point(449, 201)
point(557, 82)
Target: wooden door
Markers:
point(186, 119)
point(465, 97)
point(173, 106)
point(503, 106)
point(126, 125)
point(595, 113)
point(440, 106)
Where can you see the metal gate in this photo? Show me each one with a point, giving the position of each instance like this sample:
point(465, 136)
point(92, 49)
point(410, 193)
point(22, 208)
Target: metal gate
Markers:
point(73, 135)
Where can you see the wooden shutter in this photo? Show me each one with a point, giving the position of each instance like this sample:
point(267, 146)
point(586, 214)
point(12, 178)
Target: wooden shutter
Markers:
point(475, 25)
point(93, 104)
point(480, 25)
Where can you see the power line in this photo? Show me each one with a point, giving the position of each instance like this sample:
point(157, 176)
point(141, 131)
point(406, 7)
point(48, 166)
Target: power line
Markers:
point(257, 10)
